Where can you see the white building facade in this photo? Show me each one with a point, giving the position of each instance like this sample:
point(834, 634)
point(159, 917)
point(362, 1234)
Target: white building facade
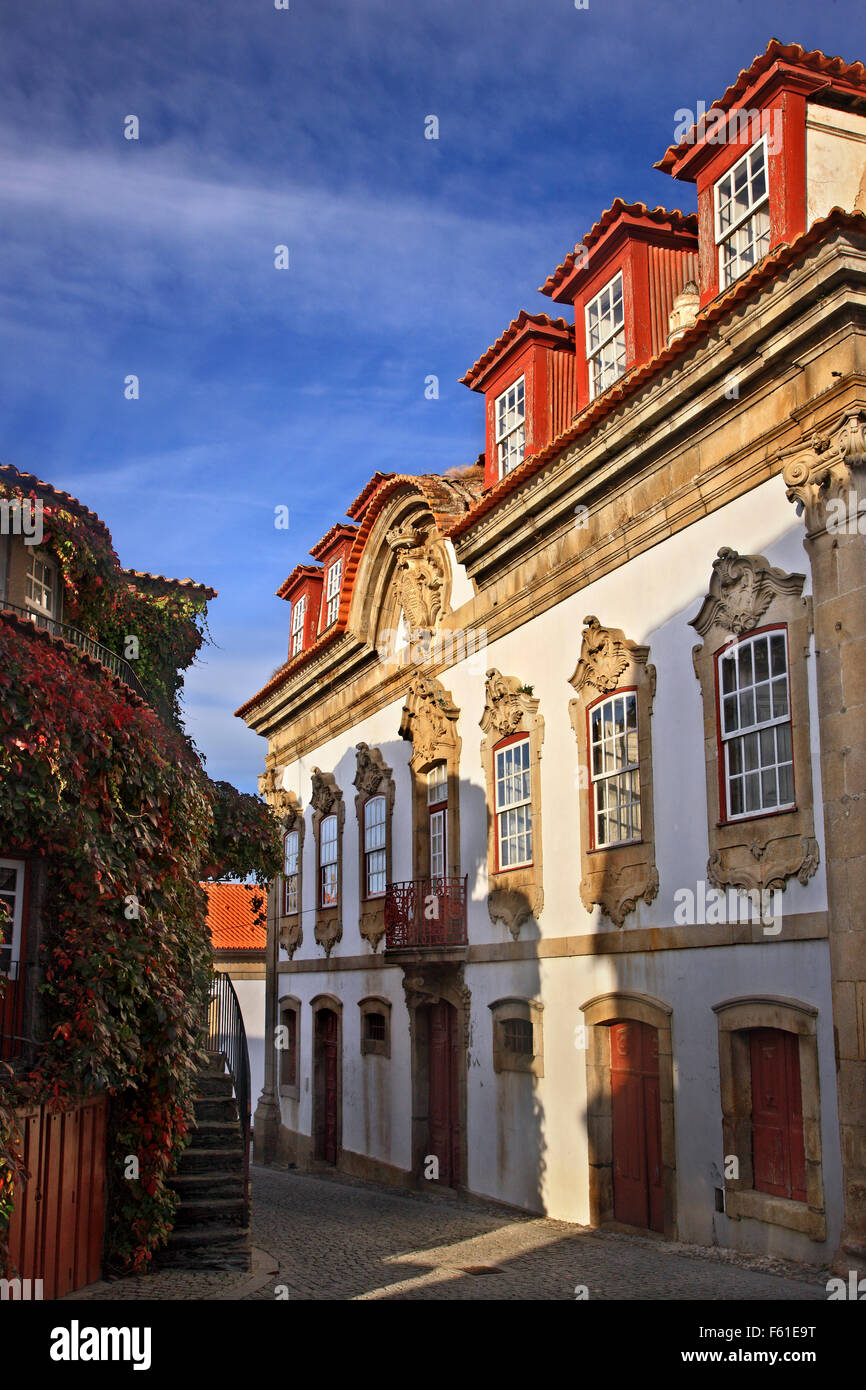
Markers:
point(570, 777)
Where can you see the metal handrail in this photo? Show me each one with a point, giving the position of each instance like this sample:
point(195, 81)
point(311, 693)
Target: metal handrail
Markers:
point(426, 912)
point(117, 665)
point(226, 1036)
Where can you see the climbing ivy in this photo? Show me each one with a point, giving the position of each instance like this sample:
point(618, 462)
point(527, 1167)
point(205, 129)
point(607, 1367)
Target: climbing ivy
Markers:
point(116, 801)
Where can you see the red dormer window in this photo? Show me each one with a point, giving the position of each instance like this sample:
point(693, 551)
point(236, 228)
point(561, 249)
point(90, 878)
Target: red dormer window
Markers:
point(527, 380)
point(332, 552)
point(623, 279)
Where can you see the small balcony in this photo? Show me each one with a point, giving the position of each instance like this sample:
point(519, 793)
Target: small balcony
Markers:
point(425, 914)
point(109, 659)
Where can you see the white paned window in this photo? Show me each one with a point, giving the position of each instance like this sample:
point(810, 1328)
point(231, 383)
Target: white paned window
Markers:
point(513, 808)
point(511, 426)
point(332, 594)
point(299, 612)
point(290, 873)
point(12, 898)
point(437, 802)
point(41, 587)
point(374, 847)
point(605, 337)
point(743, 215)
point(755, 725)
point(328, 869)
point(615, 770)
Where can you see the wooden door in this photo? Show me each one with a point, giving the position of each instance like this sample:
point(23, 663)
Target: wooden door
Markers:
point(778, 1151)
point(638, 1192)
point(444, 1106)
point(327, 1098)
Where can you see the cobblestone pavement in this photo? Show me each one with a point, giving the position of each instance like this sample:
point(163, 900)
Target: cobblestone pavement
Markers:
point(335, 1238)
point(339, 1239)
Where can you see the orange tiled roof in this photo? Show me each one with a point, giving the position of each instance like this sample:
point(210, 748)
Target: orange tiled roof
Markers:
point(775, 52)
point(299, 572)
point(341, 529)
point(523, 324)
point(231, 917)
point(29, 483)
point(356, 510)
point(671, 218)
point(603, 405)
point(164, 580)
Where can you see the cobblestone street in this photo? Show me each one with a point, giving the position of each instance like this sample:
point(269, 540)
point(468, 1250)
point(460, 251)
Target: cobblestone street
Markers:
point(333, 1238)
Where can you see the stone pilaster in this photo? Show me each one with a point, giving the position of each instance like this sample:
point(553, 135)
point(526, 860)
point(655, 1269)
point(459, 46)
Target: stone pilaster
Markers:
point(827, 478)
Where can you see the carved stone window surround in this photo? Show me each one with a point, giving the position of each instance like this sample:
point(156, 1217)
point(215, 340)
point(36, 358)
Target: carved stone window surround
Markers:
point(614, 877)
point(326, 800)
point(291, 817)
point(504, 1059)
point(515, 896)
point(765, 850)
point(374, 1047)
point(372, 778)
point(429, 722)
point(736, 1018)
point(290, 1004)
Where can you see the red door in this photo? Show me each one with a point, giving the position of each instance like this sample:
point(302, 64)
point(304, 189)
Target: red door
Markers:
point(638, 1195)
point(778, 1151)
point(327, 1062)
point(444, 1110)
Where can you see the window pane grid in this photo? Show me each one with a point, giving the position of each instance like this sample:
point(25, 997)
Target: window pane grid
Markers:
point(374, 846)
point(328, 861)
point(514, 813)
point(40, 584)
point(756, 726)
point(290, 874)
point(615, 767)
point(437, 784)
point(298, 612)
point(511, 426)
point(605, 337)
point(333, 592)
point(742, 215)
point(517, 1035)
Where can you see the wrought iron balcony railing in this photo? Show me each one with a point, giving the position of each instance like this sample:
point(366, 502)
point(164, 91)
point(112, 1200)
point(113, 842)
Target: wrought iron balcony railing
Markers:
point(107, 658)
point(425, 912)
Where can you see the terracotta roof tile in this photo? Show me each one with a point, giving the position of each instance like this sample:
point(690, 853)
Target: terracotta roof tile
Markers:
point(299, 572)
point(628, 385)
point(356, 511)
point(775, 52)
point(670, 218)
point(28, 483)
point(162, 580)
point(340, 531)
point(231, 917)
point(523, 325)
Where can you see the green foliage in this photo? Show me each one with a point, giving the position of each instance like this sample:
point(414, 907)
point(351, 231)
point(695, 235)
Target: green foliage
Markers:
point(245, 841)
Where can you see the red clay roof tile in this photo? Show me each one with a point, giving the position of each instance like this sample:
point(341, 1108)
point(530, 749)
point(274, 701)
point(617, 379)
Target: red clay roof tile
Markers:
point(523, 326)
point(671, 218)
point(231, 917)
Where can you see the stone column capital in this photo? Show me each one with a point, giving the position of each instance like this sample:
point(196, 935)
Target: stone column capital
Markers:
point(821, 471)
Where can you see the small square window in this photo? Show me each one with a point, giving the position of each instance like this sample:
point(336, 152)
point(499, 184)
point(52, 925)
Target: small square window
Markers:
point(517, 1036)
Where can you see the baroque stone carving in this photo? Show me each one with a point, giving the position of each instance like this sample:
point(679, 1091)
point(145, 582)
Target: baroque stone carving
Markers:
point(515, 896)
point(615, 877)
point(422, 576)
point(603, 658)
point(821, 471)
point(326, 793)
point(762, 851)
point(372, 778)
point(741, 590)
point(429, 720)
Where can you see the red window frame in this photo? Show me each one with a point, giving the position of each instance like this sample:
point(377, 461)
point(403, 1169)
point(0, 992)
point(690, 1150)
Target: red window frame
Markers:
point(497, 748)
point(724, 818)
point(602, 699)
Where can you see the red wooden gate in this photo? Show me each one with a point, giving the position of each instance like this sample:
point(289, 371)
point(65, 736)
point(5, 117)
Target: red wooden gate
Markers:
point(444, 1107)
point(778, 1151)
point(638, 1194)
point(58, 1219)
point(326, 1037)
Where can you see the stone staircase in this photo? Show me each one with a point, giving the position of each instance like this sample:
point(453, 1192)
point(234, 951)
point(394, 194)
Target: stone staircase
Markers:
point(211, 1231)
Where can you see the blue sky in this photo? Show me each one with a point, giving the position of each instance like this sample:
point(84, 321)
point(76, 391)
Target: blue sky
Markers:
point(408, 256)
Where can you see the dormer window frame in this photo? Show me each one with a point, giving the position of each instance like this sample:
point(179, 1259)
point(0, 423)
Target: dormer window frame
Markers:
point(594, 356)
point(333, 585)
point(727, 237)
point(508, 454)
point(299, 614)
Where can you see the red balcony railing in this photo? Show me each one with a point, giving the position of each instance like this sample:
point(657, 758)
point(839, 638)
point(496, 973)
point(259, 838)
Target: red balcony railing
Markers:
point(425, 912)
